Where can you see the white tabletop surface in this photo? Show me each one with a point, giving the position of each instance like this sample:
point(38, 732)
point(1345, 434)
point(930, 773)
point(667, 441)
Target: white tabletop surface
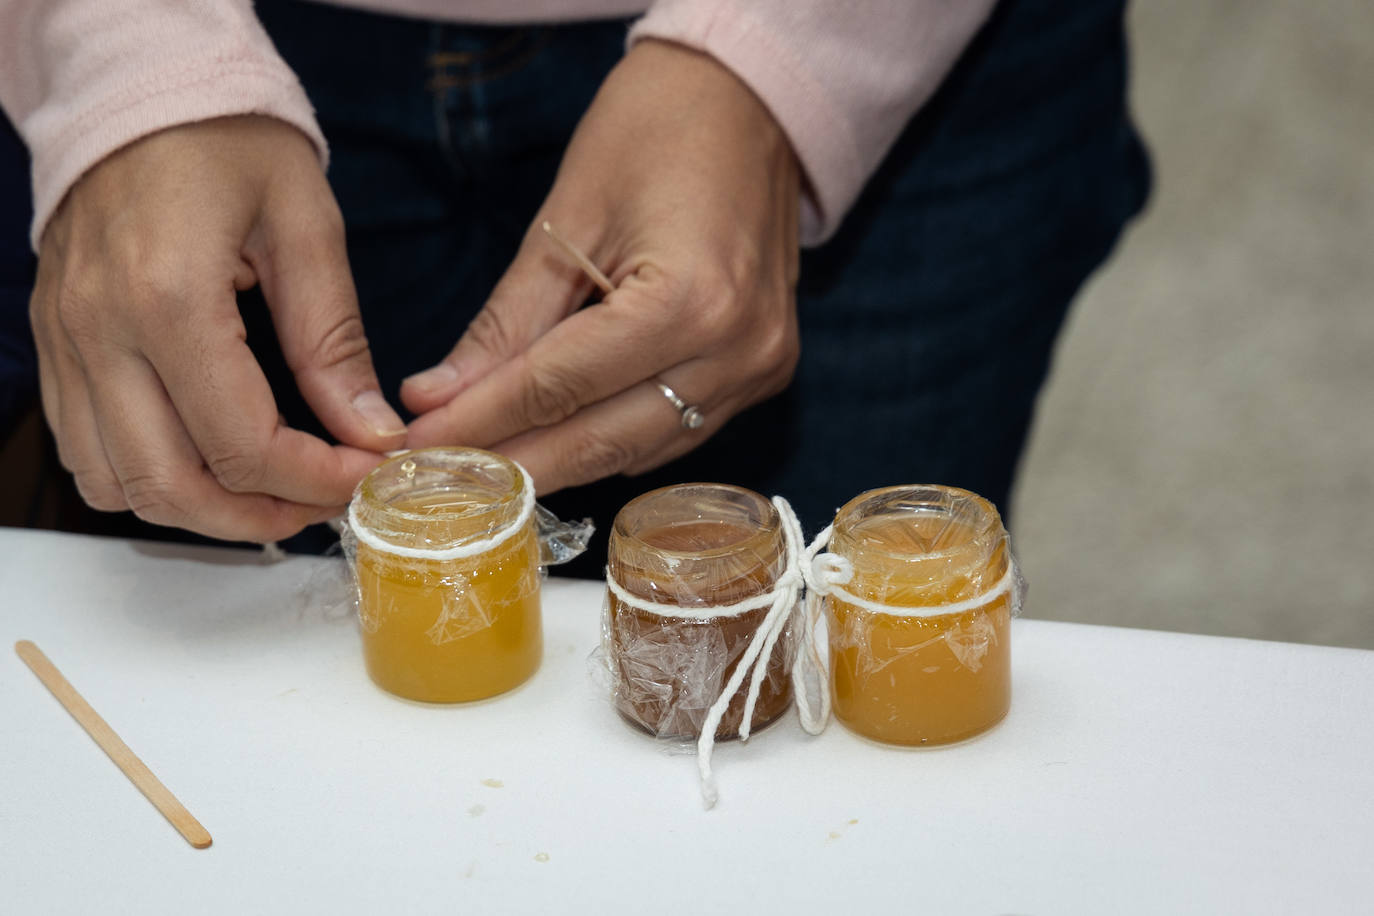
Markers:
point(1138, 772)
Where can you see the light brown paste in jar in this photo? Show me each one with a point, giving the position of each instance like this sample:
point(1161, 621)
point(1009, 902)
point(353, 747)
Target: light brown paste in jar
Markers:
point(669, 670)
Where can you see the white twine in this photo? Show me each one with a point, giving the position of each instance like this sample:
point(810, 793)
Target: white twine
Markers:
point(785, 591)
point(709, 612)
point(470, 549)
point(813, 652)
point(830, 572)
point(822, 575)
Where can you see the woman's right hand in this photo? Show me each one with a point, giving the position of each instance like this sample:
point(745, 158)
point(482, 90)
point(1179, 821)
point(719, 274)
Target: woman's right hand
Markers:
point(150, 389)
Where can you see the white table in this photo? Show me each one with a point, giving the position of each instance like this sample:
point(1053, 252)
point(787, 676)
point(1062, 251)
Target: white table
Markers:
point(1138, 772)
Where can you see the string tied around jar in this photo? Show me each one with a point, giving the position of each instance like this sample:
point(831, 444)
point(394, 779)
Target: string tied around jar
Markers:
point(785, 594)
point(781, 601)
point(378, 518)
point(467, 549)
point(811, 669)
point(826, 575)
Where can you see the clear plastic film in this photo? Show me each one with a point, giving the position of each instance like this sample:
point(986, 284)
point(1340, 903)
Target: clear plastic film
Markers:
point(916, 593)
point(703, 588)
point(447, 548)
point(693, 571)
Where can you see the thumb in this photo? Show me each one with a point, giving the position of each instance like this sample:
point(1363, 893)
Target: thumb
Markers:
point(303, 268)
point(539, 289)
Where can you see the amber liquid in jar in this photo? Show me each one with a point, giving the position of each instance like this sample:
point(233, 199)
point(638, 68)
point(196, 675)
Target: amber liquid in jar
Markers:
point(934, 678)
point(693, 546)
point(447, 630)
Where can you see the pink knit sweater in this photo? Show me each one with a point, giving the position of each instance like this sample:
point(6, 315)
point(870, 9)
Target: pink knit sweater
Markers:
point(81, 78)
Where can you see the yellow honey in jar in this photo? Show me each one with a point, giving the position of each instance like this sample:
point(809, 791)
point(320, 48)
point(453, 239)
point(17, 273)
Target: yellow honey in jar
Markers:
point(924, 678)
point(446, 562)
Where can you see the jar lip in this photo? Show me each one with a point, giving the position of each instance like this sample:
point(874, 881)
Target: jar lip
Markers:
point(939, 497)
point(367, 494)
point(768, 523)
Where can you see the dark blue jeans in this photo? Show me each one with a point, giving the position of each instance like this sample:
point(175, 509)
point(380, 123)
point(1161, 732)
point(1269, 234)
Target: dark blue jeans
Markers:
point(18, 360)
point(927, 322)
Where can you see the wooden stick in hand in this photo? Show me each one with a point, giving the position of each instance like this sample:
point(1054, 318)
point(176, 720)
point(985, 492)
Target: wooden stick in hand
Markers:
point(138, 772)
point(584, 262)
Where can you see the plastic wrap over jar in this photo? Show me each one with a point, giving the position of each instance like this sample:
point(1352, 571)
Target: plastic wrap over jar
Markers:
point(920, 587)
point(694, 551)
point(446, 549)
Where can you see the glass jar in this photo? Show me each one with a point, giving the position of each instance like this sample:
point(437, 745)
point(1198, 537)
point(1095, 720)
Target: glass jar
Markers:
point(697, 547)
point(941, 673)
point(446, 561)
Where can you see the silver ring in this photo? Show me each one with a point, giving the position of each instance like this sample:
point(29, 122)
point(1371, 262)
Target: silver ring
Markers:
point(692, 417)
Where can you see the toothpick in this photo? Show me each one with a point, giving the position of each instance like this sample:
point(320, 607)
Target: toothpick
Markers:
point(588, 268)
point(138, 772)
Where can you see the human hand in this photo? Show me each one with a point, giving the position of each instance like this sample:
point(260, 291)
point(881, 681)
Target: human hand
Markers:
point(156, 402)
point(681, 186)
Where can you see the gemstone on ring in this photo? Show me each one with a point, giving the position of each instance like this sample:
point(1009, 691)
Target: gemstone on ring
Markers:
point(691, 415)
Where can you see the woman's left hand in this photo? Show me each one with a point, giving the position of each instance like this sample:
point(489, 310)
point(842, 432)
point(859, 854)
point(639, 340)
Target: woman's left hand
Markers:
point(678, 184)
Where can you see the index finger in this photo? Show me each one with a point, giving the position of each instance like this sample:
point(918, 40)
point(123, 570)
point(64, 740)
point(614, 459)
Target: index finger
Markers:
point(591, 355)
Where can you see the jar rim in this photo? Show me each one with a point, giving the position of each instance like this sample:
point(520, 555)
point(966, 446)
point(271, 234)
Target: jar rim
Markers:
point(769, 521)
point(367, 488)
point(939, 499)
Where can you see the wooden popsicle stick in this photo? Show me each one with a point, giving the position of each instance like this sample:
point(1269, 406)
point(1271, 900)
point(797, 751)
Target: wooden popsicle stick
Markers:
point(138, 772)
point(582, 260)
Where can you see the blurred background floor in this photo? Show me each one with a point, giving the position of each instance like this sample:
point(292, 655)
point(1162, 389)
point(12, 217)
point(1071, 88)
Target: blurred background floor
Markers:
point(1203, 457)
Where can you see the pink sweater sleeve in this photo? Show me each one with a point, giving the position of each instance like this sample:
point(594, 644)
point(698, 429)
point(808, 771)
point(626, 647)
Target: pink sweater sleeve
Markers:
point(842, 79)
point(81, 78)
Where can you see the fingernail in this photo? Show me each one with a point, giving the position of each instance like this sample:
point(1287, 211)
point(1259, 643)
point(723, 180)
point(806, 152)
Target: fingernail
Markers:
point(373, 408)
point(440, 376)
